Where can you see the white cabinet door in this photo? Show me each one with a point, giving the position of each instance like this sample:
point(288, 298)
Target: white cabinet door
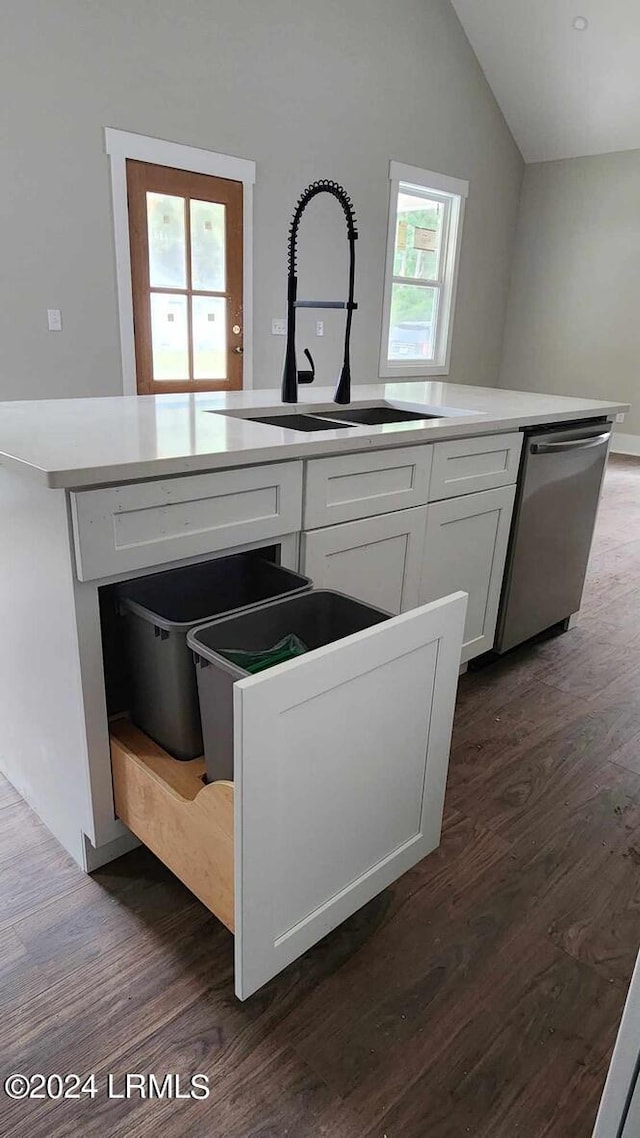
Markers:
point(340, 765)
point(465, 548)
point(377, 560)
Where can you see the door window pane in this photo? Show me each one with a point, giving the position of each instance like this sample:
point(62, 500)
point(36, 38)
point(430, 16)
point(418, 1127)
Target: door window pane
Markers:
point(418, 237)
point(207, 246)
point(167, 244)
point(414, 309)
point(209, 318)
point(169, 336)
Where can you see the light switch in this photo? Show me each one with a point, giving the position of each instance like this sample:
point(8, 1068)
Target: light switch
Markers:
point(54, 319)
point(278, 327)
point(319, 327)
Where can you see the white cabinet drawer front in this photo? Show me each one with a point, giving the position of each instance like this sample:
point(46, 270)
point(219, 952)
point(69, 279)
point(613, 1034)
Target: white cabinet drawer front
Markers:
point(151, 523)
point(340, 765)
point(464, 466)
point(377, 560)
point(352, 486)
point(465, 548)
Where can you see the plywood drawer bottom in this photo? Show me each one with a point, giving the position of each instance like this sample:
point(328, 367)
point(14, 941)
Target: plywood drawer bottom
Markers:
point(186, 823)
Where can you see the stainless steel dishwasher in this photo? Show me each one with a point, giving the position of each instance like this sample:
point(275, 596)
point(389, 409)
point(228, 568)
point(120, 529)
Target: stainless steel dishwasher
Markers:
point(554, 515)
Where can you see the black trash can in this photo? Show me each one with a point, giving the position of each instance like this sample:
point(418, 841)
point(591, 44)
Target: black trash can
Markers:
point(315, 618)
point(159, 611)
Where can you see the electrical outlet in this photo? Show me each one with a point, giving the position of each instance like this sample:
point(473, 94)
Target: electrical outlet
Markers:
point(54, 319)
point(620, 417)
point(319, 327)
point(278, 327)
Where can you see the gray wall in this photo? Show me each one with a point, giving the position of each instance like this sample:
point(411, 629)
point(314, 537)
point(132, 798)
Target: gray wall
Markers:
point(308, 90)
point(573, 325)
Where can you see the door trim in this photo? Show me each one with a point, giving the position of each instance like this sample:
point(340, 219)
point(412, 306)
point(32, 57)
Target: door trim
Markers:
point(122, 144)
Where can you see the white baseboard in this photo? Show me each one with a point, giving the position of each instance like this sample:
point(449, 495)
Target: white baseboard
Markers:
point(625, 444)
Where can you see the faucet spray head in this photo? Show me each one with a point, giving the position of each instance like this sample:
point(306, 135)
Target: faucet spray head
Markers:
point(291, 377)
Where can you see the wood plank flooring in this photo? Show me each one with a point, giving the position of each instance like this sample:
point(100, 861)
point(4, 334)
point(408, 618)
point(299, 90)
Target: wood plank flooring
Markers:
point(479, 996)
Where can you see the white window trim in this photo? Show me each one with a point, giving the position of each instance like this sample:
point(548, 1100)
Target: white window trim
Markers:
point(120, 145)
point(454, 192)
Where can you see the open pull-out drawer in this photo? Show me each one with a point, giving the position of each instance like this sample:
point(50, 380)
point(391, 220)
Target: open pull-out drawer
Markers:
point(340, 765)
point(187, 824)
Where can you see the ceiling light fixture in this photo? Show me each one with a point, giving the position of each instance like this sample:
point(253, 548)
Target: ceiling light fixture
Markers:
point(580, 24)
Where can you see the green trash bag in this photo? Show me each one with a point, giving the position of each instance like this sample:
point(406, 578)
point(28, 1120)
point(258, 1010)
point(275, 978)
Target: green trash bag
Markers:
point(286, 649)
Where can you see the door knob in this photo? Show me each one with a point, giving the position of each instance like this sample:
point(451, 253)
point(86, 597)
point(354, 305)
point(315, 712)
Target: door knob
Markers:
point(238, 350)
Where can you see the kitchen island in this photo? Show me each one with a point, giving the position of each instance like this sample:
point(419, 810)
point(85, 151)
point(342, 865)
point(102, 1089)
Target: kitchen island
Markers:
point(67, 443)
point(94, 492)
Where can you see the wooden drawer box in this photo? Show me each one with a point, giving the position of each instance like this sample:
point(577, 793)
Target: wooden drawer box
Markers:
point(346, 487)
point(134, 526)
point(464, 466)
point(331, 799)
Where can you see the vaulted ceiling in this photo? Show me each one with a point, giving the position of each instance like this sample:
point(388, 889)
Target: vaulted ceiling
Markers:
point(564, 90)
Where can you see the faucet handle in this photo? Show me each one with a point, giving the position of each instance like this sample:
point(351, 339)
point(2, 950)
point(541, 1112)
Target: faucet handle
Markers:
point(307, 376)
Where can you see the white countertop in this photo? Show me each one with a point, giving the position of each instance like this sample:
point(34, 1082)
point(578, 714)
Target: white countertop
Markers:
point(88, 442)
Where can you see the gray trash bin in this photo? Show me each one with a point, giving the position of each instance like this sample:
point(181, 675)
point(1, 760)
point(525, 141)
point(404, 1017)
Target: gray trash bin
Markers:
point(159, 611)
point(317, 618)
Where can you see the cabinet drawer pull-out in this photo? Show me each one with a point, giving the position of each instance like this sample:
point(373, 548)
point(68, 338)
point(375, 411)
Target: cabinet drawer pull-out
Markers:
point(166, 804)
point(121, 528)
point(350, 486)
point(464, 466)
point(340, 765)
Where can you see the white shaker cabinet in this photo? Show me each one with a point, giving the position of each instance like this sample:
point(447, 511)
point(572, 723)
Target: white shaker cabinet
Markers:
point(377, 560)
point(340, 767)
point(465, 548)
point(397, 561)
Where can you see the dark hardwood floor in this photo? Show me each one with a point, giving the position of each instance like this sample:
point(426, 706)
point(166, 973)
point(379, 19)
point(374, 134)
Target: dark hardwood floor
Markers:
point(479, 996)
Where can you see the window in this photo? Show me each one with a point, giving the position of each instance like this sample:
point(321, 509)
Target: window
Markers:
point(185, 233)
point(423, 251)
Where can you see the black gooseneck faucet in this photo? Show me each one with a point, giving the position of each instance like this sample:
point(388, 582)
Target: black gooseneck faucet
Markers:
point(291, 376)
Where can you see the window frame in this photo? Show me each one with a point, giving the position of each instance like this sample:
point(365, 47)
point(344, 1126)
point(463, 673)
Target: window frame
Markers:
point(452, 192)
point(122, 144)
